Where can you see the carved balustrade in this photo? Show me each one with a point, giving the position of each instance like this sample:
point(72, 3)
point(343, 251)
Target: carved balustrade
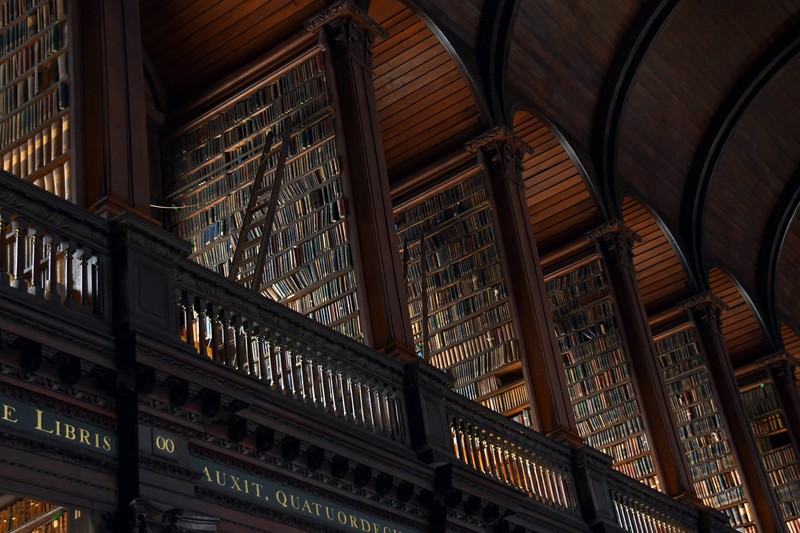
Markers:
point(52, 250)
point(512, 454)
point(290, 354)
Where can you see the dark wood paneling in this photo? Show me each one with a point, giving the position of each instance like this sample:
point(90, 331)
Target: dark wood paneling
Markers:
point(661, 274)
point(559, 200)
point(744, 337)
point(425, 106)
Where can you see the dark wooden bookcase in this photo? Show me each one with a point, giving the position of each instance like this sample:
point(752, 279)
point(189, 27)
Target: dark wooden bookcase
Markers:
point(598, 372)
point(715, 473)
point(775, 442)
point(211, 164)
point(457, 294)
point(35, 122)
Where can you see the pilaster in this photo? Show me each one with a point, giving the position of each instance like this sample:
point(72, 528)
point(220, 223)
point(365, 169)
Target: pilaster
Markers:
point(500, 153)
point(615, 243)
point(348, 34)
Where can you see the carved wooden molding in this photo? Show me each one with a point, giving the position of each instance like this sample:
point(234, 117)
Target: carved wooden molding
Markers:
point(499, 134)
point(346, 9)
point(613, 228)
point(704, 299)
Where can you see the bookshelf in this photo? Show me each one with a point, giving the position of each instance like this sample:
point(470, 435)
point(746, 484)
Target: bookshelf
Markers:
point(26, 514)
point(210, 169)
point(457, 295)
point(598, 373)
point(715, 473)
point(776, 446)
point(34, 93)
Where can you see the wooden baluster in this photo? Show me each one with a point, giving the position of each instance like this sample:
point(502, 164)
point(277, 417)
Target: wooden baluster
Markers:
point(274, 376)
point(52, 243)
point(226, 336)
point(19, 227)
point(97, 287)
point(202, 327)
point(216, 333)
point(288, 365)
point(84, 267)
point(247, 356)
point(188, 318)
point(4, 277)
point(69, 275)
point(37, 276)
point(260, 352)
point(344, 392)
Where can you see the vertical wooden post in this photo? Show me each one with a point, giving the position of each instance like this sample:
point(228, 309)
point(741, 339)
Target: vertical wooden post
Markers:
point(705, 311)
point(500, 153)
point(782, 373)
point(112, 136)
point(614, 241)
point(349, 33)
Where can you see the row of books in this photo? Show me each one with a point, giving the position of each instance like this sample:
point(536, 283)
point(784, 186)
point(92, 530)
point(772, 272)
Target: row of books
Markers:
point(469, 347)
point(477, 304)
point(587, 367)
point(711, 466)
point(27, 71)
point(467, 241)
point(524, 417)
point(606, 417)
point(588, 318)
point(479, 365)
point(454, 200)
point(260, 98)
point(11, 10)
point(482, 324)
point(479, 388)
point(31, 117)
point(231, 206)
point(486, 279)
point(446, 229)
point(483, 258)
point(508, 399)
point(589, 386)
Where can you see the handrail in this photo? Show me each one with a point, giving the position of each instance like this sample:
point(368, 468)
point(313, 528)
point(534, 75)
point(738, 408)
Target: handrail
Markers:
point(52, 249)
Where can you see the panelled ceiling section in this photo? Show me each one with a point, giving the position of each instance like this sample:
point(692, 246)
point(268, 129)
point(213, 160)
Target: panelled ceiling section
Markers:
point(560, 202)
point(195, 43)
point(425, 107)
point(693, 106)
point(660, 272)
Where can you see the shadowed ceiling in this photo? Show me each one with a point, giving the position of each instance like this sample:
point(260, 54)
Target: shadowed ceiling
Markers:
point(689, 106)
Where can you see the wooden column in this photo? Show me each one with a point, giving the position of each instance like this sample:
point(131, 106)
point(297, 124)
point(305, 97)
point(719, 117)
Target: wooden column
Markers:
point(705, 311)
point(348, 35)
point(111, 116)
point(614, 241)
point(500, 153)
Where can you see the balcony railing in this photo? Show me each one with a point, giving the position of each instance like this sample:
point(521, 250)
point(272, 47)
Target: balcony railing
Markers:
point(52, 250)
point(58, 257)
point(512, 454)
point(288, 353)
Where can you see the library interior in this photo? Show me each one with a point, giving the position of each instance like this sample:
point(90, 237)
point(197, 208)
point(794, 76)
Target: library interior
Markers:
point(399, 266)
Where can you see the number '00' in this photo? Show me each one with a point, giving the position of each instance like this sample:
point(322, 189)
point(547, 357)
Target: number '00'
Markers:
point(164, 444)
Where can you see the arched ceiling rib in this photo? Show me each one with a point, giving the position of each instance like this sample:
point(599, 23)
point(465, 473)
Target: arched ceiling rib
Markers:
point(745, 339)
point(717, 167)
point(696, 61)
point(621, 75)
point(775, 234)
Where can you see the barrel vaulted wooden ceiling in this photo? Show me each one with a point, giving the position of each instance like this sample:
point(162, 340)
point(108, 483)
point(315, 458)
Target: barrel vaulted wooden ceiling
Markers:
point(681, 117)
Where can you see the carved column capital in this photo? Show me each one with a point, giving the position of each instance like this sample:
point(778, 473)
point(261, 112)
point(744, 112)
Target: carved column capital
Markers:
point(350, 30)
point(706, 307)
point(615, 238)
point(501, 148)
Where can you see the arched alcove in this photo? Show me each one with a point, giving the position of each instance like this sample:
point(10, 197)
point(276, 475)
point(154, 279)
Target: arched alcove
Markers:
point(561, 201)
point(660, 270)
